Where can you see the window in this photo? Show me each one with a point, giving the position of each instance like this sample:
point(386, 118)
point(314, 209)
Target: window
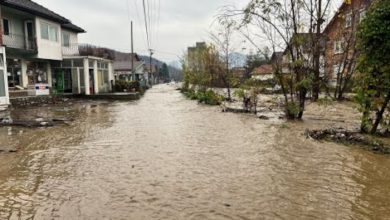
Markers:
point(362, 15)
point(65, 39)
point(49, 32)
point(348, 20)
point(338, 47)
point(6, 27)
point(2, 84)
point(337, 69)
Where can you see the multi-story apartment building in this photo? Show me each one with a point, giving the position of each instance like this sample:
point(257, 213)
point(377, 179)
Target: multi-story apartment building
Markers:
point(340, 52)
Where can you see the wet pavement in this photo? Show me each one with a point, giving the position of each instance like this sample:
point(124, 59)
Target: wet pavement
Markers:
point(165, 157)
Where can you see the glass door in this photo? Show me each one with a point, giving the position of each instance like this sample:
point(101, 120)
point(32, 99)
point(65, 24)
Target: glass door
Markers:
point(3, 79)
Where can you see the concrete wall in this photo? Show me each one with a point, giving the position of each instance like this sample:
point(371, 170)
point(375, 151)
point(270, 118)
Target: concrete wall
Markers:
point(47, 49)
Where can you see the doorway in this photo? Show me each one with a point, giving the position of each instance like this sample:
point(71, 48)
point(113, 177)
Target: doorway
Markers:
point(91, 82)
point(30, 35)
point(68, 81)
point(14, 73)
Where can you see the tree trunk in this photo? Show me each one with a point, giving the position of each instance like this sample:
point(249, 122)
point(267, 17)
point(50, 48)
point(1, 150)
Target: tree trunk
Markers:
point(317, 54)
point(229, 93)
point(379, 115)
point(302, 100)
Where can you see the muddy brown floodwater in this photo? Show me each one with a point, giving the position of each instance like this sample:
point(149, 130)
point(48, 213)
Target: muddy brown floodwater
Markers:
point(165, 157)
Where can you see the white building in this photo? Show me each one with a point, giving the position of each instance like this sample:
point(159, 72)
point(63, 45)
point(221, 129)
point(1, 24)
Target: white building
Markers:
point(37, 42)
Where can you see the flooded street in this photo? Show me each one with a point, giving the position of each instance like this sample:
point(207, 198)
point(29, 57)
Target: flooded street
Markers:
point(165, 157)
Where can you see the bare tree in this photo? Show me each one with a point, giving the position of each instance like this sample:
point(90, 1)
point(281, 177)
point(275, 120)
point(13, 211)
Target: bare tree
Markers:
point(223, 39)
point(317, 11)
point(282, 23)
point(348, 53)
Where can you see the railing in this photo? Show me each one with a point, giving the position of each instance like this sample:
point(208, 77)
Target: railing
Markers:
point(70, 50)
point(20, 42)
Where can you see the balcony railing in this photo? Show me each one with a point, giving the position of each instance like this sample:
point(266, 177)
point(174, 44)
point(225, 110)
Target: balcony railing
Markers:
point(20, 42)
point(70, 50)
point(87, 50)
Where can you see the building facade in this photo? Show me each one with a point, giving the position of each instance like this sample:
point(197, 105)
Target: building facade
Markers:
point(123, 67)
point(42, 54)
point(340, 50)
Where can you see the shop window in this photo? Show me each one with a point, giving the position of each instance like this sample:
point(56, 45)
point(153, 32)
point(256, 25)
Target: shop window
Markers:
point(78, 63)
point(36, 72)
point(67, 63)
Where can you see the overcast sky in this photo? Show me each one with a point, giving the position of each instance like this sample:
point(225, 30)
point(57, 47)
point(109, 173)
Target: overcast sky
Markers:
point(181, 23)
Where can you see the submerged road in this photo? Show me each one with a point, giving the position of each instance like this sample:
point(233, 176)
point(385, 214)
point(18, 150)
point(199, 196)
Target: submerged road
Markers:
point(165, 157)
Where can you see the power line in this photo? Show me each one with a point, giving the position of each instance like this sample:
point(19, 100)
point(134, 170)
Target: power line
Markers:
point(146, 23)
point(150, 24)
point(158, 21)
point(139, 20)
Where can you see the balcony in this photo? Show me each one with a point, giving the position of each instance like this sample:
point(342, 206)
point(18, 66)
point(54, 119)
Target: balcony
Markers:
point(20, 42)
point(70, 50)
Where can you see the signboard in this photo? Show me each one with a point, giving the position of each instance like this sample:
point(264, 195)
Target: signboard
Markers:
point(40, 89)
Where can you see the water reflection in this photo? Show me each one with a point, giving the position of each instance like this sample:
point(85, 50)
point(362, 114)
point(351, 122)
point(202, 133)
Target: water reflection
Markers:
point(165, 157)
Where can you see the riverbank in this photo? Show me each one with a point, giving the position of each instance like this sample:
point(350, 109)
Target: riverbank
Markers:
point(332, 121)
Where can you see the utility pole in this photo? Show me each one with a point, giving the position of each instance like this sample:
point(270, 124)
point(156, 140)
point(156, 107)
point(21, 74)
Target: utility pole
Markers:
point(150, 67)
point(132, 53)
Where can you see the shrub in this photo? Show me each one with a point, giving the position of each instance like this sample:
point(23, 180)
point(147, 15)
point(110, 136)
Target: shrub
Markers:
point(127, 86)
point(208, 97)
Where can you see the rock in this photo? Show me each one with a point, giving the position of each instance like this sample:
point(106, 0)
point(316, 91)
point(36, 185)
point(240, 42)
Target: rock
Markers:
point(263, 117)
point(45, 124)
point(6, 121)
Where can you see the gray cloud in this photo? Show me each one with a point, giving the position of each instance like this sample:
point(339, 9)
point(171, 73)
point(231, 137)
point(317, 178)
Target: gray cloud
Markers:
point(181, 24)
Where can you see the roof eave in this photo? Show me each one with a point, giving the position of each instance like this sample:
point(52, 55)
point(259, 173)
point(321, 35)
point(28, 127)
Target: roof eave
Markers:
point(33, 12)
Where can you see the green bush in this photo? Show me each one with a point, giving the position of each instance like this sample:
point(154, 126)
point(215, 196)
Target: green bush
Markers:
point(127, 86)
point(208, 97)
point(191, 94)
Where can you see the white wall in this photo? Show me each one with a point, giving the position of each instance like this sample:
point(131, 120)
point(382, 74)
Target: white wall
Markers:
point(73, 49)
point(16, 39)
point(48, 49)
